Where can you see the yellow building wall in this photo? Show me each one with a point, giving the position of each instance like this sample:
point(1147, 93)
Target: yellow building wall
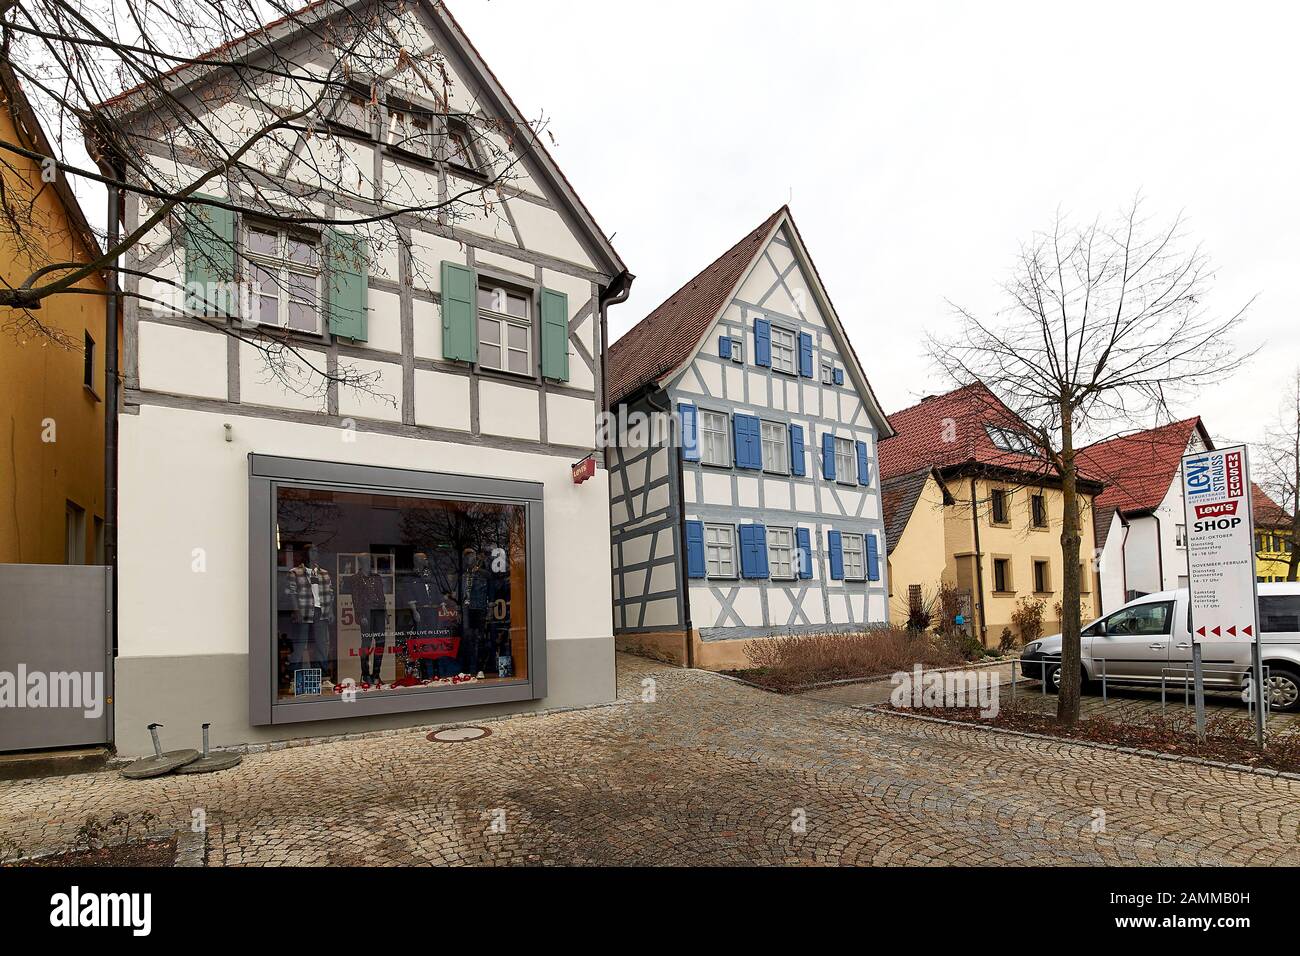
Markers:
point(1018, 542)
point(1272, 561)
point(914, 559)
point(51, 426)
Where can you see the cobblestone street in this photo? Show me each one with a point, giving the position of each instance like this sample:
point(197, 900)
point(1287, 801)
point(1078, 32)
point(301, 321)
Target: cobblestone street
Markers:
point(711, 772)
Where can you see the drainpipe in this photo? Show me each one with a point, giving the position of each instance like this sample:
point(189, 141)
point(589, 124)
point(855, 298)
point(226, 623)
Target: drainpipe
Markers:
point(1160, 550)
point(1123, 555)
point(979, 562)
point(675, 462)
point(615, 293)
point(111, 385)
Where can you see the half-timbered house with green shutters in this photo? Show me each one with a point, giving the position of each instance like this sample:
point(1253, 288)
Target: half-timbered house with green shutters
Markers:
point(759, 514)
point(347, 484)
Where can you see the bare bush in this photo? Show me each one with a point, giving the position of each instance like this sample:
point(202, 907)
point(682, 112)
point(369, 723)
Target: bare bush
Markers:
point(785, 663)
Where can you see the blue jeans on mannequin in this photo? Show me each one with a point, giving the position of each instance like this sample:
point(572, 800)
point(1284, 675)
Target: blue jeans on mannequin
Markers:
point(316, 634)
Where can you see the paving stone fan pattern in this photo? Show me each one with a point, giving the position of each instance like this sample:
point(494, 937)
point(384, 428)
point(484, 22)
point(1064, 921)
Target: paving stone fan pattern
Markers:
point(712, 772)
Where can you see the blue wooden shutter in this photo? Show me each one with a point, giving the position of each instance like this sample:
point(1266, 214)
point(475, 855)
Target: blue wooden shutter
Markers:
point(555, 336)
point(864, 467)
point(695, 549)
point(804, 541)
point(835, 544)
point(346, 283)
point(209, 259)
point(839, 376)
point(753, 552)
point(749, 449)
point(828, 456)
point(724, 347)
point(459, 313)
point(763, 343)
point(805, 355)
point(797, 460)
point(690, 431)
point(873, 559)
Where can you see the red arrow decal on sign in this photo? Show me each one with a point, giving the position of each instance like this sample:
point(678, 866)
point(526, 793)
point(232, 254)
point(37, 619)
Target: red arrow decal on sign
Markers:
point(1201, 632)
point(1233, 630)
point(1249, 630)
point(1218, 632)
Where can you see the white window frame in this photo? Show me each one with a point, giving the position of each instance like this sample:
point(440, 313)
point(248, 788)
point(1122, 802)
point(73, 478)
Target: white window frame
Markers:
point(720, 554)
point(778, 462)
point(780, 554)
point(846, 461)
point(281, 266)
point(1004, 439)
point(504, 322)
point(828, 373)
point(855, 558)
point(410, 133)
point(710, 437)
point(738, 351)
point(1180, 536)
point(785, 342)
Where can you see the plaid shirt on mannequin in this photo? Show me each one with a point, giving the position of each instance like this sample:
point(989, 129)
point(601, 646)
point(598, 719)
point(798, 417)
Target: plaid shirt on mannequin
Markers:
point(305, 610)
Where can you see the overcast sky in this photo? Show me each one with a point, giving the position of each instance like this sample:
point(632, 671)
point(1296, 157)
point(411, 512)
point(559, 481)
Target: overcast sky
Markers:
point(921, 142)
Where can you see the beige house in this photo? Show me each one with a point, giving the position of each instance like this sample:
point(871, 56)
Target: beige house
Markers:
point(968, 504)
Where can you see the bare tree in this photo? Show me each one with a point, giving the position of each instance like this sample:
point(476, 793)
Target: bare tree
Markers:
point(1105, 326)
point(1278, 468)
point(326, 117)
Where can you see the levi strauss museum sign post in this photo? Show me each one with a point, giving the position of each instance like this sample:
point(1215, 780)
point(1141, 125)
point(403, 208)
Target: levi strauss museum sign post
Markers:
point(1221, 561)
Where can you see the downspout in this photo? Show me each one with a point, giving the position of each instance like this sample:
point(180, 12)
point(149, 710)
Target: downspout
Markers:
point(616, 293)
point(111, 385)
point(979, 562)
point(1123, 559)
point(1160, 550)
point(683, 581)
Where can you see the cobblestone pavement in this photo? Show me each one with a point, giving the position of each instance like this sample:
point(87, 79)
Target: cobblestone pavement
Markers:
point(712, 772)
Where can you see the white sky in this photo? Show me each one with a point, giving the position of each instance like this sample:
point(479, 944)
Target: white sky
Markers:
point(922, 143)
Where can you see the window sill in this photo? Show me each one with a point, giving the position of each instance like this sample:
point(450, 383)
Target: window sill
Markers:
point(1004, 593)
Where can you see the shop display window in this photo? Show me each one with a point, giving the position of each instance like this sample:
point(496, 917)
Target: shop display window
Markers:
point(379, 595)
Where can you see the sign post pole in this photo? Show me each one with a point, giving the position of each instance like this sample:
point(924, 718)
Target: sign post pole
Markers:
point(1218, 507)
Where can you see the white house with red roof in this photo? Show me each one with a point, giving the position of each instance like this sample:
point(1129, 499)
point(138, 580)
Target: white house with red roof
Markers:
point(765, 518)
point(1140, 528)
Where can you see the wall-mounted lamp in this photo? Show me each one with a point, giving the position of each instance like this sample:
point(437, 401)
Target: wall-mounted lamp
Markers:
point(230, 433)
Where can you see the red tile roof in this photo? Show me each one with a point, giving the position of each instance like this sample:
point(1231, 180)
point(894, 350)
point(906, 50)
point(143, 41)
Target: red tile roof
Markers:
point(1138, 469)
point(952, 429)
point(667, 336)
point(1268, 513)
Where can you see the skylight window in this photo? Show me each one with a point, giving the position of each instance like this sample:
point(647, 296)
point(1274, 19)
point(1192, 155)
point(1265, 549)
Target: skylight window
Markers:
point(1014, 442)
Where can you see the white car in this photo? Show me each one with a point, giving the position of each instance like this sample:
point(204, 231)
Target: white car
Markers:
point(1151, 637)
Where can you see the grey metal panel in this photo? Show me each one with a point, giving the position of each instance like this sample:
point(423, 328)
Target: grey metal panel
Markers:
point(267, 472)
point(55, 622)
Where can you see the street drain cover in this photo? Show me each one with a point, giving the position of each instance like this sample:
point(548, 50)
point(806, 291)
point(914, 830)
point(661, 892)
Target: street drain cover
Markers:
point(459, 735)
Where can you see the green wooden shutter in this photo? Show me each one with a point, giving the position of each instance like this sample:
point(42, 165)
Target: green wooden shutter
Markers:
point(555, 335)
point(459, 343)
point(209, 258)
point(346, 282)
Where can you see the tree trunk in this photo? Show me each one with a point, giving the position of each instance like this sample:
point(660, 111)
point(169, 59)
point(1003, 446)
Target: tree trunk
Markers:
point(1067, 701)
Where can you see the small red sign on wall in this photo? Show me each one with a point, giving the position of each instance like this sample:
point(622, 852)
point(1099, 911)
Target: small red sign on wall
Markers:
point(584, 470)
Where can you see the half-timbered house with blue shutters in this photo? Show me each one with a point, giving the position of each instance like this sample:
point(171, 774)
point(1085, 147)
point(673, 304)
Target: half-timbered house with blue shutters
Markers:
point(759, 512)
point(351, 502)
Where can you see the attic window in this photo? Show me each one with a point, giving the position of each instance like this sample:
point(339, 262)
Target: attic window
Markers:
point(460, 149)
point(410, 130)
point(1014, 442)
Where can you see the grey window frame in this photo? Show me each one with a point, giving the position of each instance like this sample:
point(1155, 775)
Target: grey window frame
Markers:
point(774, 562)
point(861, 539)
point(782, 463)
point(828, 373)
point(725, 432)
point(793, 349)
point(267, 473)
point(735, 565)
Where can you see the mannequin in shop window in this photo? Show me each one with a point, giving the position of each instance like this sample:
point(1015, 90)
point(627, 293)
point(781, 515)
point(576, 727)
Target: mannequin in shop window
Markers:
point(422, 598)
point(371, 607)
point(474, 610)
point(311, 592)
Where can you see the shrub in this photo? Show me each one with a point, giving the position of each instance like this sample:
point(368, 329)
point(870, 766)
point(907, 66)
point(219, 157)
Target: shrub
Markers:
point(785, 663)
point(1028, 619)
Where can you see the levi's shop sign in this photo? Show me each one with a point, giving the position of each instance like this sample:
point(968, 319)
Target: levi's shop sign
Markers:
point(1220, 544)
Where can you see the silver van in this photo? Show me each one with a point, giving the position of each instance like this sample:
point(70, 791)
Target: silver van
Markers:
point(1151, 637)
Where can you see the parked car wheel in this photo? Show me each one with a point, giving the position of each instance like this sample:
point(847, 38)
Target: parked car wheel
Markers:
point(1284, 686)
point(1053, 678)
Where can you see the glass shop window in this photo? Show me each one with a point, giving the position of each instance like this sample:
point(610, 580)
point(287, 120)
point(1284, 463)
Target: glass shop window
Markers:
point(386, 594)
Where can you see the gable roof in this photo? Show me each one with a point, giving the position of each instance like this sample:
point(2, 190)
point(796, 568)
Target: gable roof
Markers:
point(1139, 469)
point(552, 177)
point(898, 498)
point(952, 430)
point(1268, 513)
point(670, 335)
